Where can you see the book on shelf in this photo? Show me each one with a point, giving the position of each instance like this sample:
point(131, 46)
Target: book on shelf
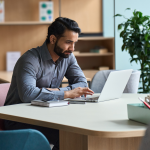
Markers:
point(45, 103)
point(100, 51)
point(11, 59)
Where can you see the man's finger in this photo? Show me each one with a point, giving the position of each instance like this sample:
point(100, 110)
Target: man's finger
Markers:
point(89, 90)
point(88, 93)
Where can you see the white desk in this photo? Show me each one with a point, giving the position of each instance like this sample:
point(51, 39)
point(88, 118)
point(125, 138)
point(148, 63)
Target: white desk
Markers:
point(93, 126)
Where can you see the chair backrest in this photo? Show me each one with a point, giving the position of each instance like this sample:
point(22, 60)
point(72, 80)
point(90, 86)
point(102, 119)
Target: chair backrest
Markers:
point(3, 93)
point(133, 83)
point(100, 78)
point(25, 139)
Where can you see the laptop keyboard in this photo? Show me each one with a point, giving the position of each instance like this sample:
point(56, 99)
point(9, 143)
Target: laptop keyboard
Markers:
point(90, 98)
point(87, 99)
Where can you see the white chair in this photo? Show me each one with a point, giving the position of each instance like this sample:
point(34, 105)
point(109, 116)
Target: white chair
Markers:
point(100, 78)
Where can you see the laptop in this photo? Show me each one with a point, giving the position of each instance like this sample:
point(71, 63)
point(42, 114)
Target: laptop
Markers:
point(113, 88)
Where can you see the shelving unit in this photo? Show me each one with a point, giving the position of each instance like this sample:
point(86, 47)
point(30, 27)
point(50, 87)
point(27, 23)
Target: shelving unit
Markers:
point(90, 62)
point(22, 31)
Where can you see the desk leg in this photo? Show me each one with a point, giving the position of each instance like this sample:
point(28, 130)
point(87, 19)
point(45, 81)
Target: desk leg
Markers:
point(73, 141)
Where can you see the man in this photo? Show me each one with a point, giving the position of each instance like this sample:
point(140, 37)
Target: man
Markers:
point(39, 72)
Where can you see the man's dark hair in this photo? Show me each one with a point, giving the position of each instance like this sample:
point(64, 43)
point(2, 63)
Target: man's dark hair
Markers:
point(59, 26)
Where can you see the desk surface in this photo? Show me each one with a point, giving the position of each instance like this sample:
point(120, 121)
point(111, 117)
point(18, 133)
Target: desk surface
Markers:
point(104, 119)
point(6, 77)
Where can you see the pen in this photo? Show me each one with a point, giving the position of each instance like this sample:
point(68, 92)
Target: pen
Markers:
point(147, 105)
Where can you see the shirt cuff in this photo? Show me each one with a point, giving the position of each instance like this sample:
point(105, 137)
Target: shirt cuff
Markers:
point(65, 89)
point(58, 95)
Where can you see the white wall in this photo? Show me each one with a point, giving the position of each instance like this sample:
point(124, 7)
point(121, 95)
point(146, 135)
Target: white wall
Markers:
point(108, 20)
point(122, 58)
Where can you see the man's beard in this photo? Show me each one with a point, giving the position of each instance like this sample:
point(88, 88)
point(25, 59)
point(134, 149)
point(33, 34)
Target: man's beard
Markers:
point(59, 51)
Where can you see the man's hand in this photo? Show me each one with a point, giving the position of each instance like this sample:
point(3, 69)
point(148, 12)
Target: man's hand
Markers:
point(52, 89)
point(77, 92)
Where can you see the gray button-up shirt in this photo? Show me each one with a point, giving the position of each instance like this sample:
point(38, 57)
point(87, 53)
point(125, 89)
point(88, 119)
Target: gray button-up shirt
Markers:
point(35, 71)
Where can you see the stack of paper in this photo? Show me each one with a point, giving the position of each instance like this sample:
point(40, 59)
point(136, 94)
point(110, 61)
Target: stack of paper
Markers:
point(49, 103)
point(11, 59)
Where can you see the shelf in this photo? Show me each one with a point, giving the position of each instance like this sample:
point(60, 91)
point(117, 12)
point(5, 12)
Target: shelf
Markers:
point(95, 38)
point(25, 23)
point(92, 54)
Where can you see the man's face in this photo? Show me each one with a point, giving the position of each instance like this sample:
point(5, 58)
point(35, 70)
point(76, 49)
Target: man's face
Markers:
point(66, 44)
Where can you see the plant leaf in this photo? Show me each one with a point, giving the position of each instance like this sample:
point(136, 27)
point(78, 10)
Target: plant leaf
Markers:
point(120, 26)
point(118, 15)
point(123, 47)
point(128, 9)
point(121, 34)
point(140, 15)
point(136, 41)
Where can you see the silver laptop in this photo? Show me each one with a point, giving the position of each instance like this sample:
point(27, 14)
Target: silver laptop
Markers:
point(113, 88)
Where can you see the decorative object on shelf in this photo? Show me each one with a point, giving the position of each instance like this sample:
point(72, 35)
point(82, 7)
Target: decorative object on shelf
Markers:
point(103, 51)
point(46, 11)
point(147, 99)
point(103, 68)
point(2, 11)
point(11, 59)
point(136, 36)
point(98, 49)
point(95, 49)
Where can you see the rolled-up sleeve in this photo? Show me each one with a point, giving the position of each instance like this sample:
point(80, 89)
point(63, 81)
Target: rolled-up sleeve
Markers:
point(26, 82)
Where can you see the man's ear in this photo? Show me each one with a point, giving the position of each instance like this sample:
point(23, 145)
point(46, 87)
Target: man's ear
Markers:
point(52, 39)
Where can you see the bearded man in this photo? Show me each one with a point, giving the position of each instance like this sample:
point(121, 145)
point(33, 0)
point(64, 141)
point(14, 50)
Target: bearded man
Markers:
point(39, 72)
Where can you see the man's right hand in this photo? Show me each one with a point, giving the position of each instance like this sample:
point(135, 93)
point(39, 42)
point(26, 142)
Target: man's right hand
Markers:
point(77, 92)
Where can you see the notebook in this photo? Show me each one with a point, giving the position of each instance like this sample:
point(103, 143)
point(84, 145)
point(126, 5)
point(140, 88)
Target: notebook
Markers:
point(49, 103)
point(113, 88)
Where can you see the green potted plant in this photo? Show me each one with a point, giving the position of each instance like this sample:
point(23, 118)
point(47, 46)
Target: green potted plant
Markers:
point(135, 32)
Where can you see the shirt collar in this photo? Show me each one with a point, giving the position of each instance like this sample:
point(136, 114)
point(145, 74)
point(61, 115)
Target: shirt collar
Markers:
point(45, 52)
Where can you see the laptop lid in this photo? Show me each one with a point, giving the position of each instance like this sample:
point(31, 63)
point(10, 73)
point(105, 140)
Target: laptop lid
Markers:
point(115, 85)
point(113, 88)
